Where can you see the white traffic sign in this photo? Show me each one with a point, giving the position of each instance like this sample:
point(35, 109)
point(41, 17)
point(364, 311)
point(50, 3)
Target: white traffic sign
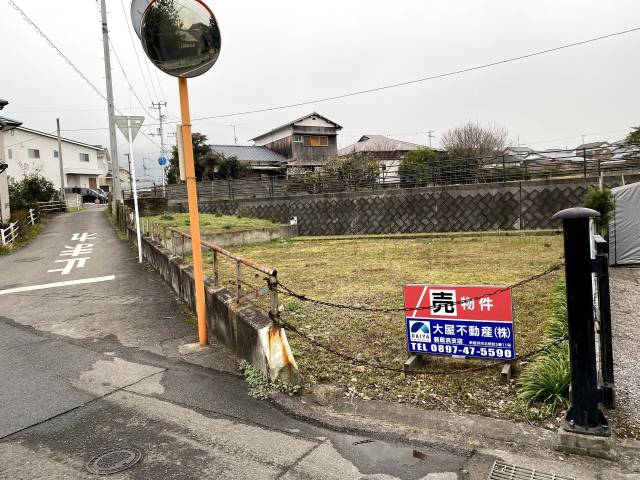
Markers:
point(129, 125)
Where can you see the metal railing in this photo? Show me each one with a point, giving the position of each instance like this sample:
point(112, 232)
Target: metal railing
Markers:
point(439, 173)
point(175, 240)
point(60, 205)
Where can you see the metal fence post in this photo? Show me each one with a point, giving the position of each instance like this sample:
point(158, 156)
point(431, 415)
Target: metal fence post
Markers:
point(274, 310)
point(31, 219)
point(584, 415)
point(4, 242)
point(215, 268)
point(605, 334)
point(238, 286)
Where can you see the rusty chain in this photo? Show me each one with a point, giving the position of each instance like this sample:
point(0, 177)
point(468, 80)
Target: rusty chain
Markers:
point(304, 298)
point(357, 361)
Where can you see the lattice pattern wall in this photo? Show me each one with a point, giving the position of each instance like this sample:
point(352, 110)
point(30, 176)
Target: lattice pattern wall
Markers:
point(455, 209)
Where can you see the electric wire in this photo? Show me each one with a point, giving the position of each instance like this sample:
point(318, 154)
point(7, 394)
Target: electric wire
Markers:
point(425, 79)
point(127, 78)
point(70, 63)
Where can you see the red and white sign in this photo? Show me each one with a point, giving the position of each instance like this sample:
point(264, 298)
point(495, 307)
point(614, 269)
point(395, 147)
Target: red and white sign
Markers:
point(480, 303)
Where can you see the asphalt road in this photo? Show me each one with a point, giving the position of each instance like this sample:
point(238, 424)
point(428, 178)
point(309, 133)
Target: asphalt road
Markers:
point(94, 363)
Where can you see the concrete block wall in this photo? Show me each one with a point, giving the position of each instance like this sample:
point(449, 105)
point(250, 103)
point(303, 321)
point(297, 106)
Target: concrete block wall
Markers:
point(244, 330)
point(506, 206)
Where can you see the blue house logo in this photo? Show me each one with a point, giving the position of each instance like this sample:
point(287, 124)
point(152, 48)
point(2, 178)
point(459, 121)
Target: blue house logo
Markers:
point(419, 331)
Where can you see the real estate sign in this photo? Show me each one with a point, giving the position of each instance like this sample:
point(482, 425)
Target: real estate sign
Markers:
point(461, 321)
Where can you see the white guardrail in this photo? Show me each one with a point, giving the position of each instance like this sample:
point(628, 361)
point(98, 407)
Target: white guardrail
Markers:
point(8, 235)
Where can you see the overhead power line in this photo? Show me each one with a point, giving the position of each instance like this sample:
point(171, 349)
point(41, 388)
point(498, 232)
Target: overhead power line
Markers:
point(52, 45)
point(127, 78)
point(425, 79)
point(135, 50)
point(71, 64)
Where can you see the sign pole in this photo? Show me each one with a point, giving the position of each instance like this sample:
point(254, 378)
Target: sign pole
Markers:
point(135, 191)
point(584, 415)
point(194, 218)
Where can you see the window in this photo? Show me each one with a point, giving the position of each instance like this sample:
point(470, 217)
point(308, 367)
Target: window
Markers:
point(9, 153)
point(33, 153)
point(84, 157)
point(297, 138)
point(316, 141)
point(55, 154)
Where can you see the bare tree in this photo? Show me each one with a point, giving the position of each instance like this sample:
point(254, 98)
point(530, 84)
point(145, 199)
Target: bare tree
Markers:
point(475, 140)
point(470, 147)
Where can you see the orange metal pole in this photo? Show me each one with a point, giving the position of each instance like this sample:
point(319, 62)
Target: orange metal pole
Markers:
point(194, 217)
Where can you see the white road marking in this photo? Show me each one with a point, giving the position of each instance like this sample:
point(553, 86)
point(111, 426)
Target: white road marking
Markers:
point(57, 284)
point(71, 262)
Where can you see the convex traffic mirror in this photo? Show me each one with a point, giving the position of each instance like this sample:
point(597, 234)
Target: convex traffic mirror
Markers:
point(137, 11)
point(181, 37)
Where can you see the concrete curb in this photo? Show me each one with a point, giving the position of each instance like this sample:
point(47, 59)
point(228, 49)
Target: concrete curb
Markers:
point(462, 433)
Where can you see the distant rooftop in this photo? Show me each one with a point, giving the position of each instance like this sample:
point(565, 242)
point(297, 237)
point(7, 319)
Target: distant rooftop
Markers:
point(379, 143)
point(312, 114)
point(249, 153)
point(8, 123)
point(592, 145)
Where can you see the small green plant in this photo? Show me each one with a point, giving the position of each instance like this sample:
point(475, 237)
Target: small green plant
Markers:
point(260, 386)
point(603, 201)
point(217, 215)
point(226, 226)
point(557, 326)
point(547, 379)
point(205, 223)
point(187, 222)
point(5, 250)
point(166, 216)
point(292, 307)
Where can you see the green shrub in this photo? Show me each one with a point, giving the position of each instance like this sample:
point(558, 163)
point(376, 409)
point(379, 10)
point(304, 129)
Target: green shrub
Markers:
point(603, 201)
point(547, 379)
point(557, 326)
point(32, 189)
point(166, 216)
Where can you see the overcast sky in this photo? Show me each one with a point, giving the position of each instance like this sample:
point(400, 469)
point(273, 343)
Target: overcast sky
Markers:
point(288, 51)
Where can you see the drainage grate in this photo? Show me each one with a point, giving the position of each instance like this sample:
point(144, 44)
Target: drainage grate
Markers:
point(113, 461)
point(504, 471)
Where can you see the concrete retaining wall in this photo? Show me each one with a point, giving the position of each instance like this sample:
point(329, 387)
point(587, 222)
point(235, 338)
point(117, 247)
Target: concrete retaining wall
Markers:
point(463, 208)
point(244, 330)
point(230, 239)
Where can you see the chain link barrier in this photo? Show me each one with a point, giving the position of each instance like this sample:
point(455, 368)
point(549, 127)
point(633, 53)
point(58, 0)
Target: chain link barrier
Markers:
point(391, 369)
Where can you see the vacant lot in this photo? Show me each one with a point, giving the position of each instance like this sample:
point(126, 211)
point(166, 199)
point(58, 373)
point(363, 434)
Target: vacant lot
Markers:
point(210, 223)
point(371, 272)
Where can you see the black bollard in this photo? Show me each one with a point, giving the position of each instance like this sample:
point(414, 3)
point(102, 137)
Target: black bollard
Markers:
point(584, 415)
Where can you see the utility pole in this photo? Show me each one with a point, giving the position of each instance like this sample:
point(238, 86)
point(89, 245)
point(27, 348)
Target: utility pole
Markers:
point(115, 182)
point(430, 133)
point(235, 136)
point(62, 182)
point(158, 106)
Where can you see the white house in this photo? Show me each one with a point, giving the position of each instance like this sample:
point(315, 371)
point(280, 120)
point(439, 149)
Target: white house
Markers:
point(29, 151)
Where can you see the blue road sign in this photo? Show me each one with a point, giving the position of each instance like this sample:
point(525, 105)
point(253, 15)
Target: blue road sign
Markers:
point(163, 161)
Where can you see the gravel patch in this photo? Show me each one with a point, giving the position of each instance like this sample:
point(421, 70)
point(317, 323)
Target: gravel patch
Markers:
point(625, 312)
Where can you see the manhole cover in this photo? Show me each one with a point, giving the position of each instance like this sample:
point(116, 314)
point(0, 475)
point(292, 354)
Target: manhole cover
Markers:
point(504, 471)
point(113, 461)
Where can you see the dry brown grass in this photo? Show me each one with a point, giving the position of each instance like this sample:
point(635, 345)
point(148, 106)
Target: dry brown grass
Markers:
point(371, 272)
